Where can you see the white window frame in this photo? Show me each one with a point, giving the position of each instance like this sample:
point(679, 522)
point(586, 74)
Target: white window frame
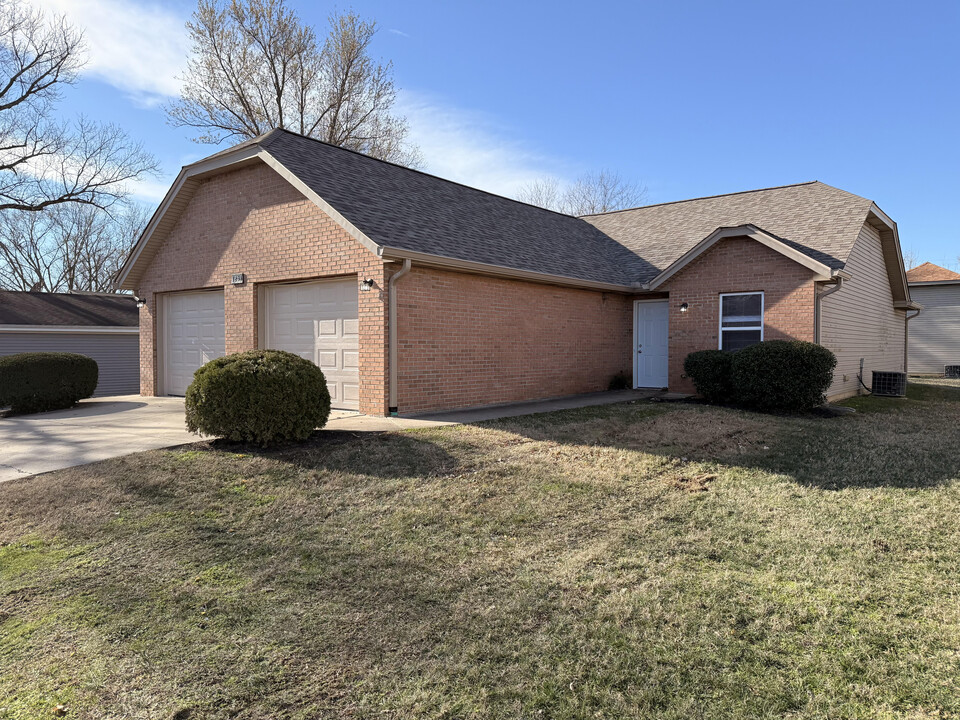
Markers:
point(763, 309)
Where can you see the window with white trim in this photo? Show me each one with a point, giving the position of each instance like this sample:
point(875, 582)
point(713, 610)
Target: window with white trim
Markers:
point(741, 320)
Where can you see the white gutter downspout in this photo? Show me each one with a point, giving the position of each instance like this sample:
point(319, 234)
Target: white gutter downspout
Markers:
point(817, 310)
point(907, 317)
point(392, 321)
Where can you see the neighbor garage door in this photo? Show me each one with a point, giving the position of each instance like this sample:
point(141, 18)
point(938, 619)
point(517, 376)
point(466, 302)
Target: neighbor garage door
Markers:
point(318, 321)
point(193, 335)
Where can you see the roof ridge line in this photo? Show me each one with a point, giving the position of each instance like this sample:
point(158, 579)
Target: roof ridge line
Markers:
point(272, 134)
point(711, 197)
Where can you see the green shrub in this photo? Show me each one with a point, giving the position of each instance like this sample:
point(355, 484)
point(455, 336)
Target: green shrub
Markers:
point(620, 381)
point(260, 396)
point(39, 381)
point(710, 371)
point(782, 375)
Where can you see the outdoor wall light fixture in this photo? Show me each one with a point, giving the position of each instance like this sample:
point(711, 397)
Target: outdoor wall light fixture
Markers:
point(684, 307)
point(140, 301)
point(366, 285)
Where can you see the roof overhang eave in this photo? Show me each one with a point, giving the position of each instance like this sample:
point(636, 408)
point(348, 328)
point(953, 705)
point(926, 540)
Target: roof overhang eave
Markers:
point(469, 266)
point(822, 271)
point(893, 257)
point(930, 283)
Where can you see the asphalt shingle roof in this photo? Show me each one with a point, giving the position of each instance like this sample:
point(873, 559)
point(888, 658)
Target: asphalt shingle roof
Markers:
point(928, 272)
point(398, 207)
point(411, 210)
point(39, 308)
point(817, 219)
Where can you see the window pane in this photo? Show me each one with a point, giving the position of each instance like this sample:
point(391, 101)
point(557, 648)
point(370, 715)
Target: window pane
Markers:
point(739, 339)
point(742, 310)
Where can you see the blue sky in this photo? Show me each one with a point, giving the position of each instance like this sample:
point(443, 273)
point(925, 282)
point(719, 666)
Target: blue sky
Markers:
point(688, 98)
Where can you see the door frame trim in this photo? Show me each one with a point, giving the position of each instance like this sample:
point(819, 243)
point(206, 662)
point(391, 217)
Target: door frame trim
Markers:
point(636, 338)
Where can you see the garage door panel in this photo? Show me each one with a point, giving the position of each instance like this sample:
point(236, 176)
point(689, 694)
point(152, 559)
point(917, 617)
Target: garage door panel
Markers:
point(351, 360)
point(325, 317)
point(193, 335)
point(351, 393)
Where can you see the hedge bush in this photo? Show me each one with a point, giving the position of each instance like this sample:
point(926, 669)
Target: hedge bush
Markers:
point(782, 375)
point(38, 381)
point(775, 375)
point(711, 372)
point(260, 396)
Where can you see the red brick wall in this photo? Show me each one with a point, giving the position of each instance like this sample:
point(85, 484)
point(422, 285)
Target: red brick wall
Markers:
point(736, 265)
point(252, 221)
point(468, 340)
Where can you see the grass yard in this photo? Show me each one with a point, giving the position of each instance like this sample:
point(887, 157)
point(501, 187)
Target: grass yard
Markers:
point(633, 561)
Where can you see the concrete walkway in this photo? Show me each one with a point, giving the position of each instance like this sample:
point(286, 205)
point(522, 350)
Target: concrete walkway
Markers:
point(103, 428)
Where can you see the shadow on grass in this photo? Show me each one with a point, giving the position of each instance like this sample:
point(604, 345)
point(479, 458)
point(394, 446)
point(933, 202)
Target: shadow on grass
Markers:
point(904, 443)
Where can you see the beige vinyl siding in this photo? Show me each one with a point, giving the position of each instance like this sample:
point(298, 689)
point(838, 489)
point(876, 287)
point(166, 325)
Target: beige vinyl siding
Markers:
point(117, 356)
point(859, 321)
point(935, 332)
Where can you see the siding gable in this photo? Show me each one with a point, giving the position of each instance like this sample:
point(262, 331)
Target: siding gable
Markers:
point(860, 321)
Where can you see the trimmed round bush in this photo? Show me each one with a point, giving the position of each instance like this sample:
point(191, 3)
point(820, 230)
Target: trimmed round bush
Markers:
point(38, 381)
point(260, 396)
point(782, 375)
point(711, 372)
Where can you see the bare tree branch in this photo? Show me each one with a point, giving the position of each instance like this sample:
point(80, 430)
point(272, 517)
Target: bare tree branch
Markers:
point(910, 258)
point(68, 247)
point(592, 193)
point(256, 66)
point(45, 162)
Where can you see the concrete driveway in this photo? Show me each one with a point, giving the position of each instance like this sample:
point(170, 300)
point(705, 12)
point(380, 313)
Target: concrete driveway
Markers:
point(94, 430)
point(103, 428)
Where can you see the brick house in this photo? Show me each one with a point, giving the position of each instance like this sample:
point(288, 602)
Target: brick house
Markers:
point(418, 294)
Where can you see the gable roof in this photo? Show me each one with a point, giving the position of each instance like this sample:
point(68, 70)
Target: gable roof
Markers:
point(400, 213)
point(405, 209)
point(818, 220)
point(68, 309)
point(928, 272)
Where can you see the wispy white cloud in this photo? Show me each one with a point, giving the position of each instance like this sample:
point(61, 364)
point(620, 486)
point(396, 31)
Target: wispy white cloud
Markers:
point(401, 33)
point(150, 191)
point(137, 47)
point(473, 148)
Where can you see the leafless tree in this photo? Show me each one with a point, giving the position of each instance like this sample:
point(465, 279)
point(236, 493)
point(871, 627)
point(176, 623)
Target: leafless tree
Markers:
point(910, 258)
point(256, 66)
point(46, 162)
point(592, 193)
point(68, 247)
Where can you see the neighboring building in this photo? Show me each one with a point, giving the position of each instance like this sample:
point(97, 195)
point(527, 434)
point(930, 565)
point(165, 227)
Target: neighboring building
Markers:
point(417, 294)
point(935, 334)
point(101, 326)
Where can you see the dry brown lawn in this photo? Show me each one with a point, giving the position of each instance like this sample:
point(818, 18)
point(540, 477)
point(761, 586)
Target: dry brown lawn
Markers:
point(633, 561)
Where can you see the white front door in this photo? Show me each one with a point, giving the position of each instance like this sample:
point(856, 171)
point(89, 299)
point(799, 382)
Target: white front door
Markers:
point(319, 322)
point(193, 335)
point(650, 323)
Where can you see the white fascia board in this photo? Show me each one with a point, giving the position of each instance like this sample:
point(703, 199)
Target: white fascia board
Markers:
point(885, 219)
point(926, 283)
point(86, 329)
point(450, 263)
point(822, 271)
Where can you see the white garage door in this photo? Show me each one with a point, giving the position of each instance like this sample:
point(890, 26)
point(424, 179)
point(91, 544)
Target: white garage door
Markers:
point(319, 321)
point(193, 336)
